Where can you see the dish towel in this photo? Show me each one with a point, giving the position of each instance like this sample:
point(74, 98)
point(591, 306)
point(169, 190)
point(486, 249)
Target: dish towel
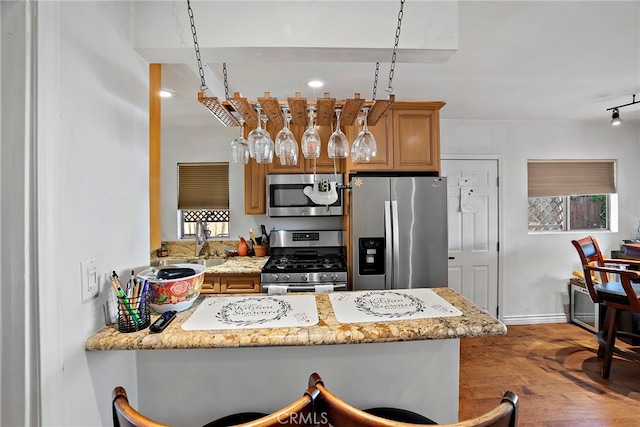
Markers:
point(323, 288)
point(277, 289)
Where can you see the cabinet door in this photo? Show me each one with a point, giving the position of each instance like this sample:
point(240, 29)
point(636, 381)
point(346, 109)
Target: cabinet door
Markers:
point(211, 284)
point(382, 132)
point(255, 184)
point(416, 140)
point(240, 284)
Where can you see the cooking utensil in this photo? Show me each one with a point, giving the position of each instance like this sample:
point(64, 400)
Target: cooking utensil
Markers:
point(172, 273)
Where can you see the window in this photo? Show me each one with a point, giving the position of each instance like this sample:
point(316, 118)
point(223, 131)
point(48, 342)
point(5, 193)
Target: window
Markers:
point(203, 195)
point(571, 195)
point(565, 213)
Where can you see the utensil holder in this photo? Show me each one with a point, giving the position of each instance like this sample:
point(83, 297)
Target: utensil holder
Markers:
point(260, 250)
point(133, 313)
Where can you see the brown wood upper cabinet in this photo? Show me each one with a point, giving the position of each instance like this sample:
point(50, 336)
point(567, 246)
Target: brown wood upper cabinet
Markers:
point(407, 137)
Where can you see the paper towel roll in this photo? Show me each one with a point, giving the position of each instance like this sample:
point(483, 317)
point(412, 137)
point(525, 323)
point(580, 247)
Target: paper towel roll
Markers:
point(323, 288)
point(277, 289)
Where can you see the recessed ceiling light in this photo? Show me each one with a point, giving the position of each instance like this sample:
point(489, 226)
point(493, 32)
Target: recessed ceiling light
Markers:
point(167, 93)
point(315, 83)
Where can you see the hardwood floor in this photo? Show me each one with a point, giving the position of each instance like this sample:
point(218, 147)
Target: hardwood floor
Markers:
point(554, 370)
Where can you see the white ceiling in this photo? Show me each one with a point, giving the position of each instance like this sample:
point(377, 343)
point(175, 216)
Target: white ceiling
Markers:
point(515, 60)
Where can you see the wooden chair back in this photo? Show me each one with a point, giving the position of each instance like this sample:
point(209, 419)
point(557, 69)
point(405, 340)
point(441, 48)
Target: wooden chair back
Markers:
point(124, 415)
point(339, 413)
point(593, 261)
point(298, 413)
point(590, 254)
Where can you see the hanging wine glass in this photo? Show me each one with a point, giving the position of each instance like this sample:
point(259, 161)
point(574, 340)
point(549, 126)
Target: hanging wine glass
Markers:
point(264, 144)
point(367, 136)
point(256, 134)
point(338, 146)
point(288, 146)
point(239, 147)
point(365, 144)
point(289, 154)
point(311, 139)
point(359, 150)
point(284, 134)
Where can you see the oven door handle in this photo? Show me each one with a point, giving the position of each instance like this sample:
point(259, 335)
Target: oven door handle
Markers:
point(296, 287)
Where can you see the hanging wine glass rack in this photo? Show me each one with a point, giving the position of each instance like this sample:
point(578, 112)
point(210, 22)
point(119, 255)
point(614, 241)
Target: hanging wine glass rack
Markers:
point(298, 107)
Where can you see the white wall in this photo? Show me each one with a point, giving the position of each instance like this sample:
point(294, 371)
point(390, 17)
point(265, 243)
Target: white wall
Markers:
point(536, 267)
point(93, 145)
point(212, 144)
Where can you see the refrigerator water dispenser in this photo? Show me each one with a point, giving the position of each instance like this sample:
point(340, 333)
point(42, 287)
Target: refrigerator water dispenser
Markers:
point(371, 255)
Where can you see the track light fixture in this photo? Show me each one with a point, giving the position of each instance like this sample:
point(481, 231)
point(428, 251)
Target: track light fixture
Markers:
point(615, 118)
point(615, 115)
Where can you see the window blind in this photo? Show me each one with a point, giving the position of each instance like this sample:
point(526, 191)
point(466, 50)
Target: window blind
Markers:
point(547, 178)
point(203, 185)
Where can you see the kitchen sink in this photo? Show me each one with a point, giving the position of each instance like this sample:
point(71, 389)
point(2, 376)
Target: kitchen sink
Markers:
point(208, 262)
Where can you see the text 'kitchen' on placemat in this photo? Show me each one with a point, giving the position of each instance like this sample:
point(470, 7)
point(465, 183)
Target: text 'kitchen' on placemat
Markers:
point(388, 305)
point(250, 312)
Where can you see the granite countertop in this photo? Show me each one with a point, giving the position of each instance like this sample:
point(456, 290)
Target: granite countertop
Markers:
point(230, 265)
point(240, 265)
point(473, 323)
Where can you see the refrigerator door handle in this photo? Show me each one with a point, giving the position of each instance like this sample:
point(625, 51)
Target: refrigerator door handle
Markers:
point(388, 236)
point(396, 247)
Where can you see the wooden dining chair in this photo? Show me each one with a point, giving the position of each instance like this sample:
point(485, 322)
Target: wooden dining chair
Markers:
point(617, 295)
point(298, 413)
point(341, 414)
point(124, 415)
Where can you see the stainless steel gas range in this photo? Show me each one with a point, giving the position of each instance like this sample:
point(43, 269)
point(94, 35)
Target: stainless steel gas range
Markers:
point(305, 261)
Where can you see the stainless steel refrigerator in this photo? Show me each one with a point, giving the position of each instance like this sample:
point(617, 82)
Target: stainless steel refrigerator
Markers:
point(399, 232)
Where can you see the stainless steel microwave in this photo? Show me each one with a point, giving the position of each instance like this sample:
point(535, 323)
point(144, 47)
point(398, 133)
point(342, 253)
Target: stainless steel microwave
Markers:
point(286, 195)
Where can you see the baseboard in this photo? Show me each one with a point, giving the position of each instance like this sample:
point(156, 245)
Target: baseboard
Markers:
point(535, 318)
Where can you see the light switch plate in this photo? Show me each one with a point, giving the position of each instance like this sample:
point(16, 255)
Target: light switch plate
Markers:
point(89, 279)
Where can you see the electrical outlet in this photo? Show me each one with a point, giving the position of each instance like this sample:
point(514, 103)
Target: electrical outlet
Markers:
point(89, 279)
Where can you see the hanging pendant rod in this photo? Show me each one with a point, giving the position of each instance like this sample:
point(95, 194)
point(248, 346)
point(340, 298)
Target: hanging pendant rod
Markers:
point(633, 102)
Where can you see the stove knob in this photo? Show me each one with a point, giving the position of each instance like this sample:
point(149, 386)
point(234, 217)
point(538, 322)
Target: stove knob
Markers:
point(285, 277)
point(334, 277)
point(323, 277)
point(274, 277)
point(304, 277)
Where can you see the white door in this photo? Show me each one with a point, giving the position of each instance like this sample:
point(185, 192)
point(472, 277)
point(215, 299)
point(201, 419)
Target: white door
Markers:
point(473, 230)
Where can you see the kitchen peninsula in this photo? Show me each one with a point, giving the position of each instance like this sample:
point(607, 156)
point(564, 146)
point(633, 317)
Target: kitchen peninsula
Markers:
point(204, 374)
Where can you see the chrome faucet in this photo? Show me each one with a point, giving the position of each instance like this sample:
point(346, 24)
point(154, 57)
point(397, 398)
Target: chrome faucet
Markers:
point(201, 237)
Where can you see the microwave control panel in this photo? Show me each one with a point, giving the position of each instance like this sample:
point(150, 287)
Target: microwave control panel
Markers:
point(305, 237)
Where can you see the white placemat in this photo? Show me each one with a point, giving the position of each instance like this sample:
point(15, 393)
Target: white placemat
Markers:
point(249, 312)
point(396, 304)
